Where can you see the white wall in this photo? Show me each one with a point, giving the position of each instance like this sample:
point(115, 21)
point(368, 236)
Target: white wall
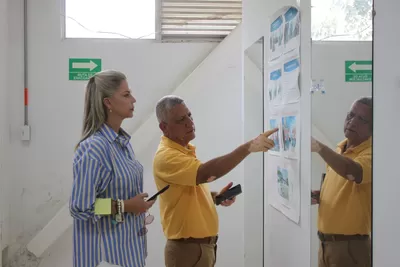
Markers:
point(219, 130)
point(286, 243)
point(328, 63)
point(3, 116)
point(329, 109)
point(41, 171)
point(4, 133)
point(253, 165)
point(386, 86)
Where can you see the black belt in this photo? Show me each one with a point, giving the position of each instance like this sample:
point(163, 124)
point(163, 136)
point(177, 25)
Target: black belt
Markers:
point(204, 240)
point(335, 237)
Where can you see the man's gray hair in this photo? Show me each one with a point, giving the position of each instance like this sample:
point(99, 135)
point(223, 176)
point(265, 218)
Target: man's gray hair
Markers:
point(366, 100)
point(165, 104)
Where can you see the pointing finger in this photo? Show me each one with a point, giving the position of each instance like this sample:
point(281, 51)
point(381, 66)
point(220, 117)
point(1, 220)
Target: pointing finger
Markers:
point(269, 132)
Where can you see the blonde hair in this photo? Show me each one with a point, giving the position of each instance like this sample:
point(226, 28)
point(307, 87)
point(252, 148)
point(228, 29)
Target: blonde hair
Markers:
point(100, 86)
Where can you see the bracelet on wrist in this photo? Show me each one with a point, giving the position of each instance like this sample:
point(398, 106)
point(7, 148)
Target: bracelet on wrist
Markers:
point(119, 216)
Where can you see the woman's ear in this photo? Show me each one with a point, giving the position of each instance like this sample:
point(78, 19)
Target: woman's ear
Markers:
point(107, 103)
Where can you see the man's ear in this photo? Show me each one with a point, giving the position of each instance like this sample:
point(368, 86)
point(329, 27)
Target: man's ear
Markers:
point(163, 126)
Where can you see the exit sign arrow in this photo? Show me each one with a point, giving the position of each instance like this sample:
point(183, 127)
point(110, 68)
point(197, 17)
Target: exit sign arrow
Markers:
point(82, 69)
point(358, 71)
point(356, 67)
point(84, 65)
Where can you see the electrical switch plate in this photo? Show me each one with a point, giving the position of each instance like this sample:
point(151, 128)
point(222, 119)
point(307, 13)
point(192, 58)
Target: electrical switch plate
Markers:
point(25, 133)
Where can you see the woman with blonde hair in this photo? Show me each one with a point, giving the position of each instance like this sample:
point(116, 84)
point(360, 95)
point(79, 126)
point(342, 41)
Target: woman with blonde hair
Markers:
point(107, 202)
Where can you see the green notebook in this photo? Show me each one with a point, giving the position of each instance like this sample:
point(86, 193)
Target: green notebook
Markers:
point(102, 206)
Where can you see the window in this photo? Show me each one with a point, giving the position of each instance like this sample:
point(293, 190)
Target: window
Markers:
point(210, 20)
point(341, 20)
point(133, 19)
point(168, 20)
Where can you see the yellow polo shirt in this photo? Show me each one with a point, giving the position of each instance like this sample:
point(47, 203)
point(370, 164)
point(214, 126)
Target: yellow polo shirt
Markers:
point(186, 209)
point(345, 207)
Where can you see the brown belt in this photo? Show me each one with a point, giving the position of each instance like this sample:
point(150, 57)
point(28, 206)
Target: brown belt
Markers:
point(334, 237)
point(204, 240)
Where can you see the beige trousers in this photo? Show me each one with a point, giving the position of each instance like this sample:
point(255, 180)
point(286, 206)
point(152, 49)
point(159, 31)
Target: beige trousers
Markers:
point(353, 253)
point(183, 254)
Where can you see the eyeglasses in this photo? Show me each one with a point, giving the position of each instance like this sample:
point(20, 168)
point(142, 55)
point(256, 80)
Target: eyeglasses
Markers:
point(147, 220)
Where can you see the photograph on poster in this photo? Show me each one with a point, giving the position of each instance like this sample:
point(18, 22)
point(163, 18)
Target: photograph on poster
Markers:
point(284, 186)
point(283, 182)
point(275, 86)
point(275, 123)
point(276, 38)
point(290, 131)
point(292, 29)
point(290, 79)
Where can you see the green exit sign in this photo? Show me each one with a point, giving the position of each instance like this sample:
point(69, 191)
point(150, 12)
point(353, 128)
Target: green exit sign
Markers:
point(82, 69)
point(358, 70)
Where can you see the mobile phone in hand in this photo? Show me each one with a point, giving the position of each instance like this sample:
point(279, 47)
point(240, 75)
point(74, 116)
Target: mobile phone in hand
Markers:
point(158, 193)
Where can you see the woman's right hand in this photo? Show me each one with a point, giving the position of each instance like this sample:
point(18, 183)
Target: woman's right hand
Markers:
point(138, 204)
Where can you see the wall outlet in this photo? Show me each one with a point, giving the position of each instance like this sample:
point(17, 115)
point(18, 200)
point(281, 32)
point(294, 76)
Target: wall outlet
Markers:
point(25, 133)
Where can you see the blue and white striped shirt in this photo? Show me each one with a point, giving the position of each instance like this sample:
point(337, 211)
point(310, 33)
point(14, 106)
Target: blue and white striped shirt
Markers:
point(105, 167)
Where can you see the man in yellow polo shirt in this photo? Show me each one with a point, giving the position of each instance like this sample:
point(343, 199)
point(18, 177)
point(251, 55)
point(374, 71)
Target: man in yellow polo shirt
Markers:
point(344, 214)
point(188, 214)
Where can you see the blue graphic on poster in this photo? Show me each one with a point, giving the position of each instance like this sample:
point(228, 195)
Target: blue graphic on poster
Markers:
point(274, 123)
point(276, 38)
point(275, 87)
point(290, 79)
point(289, 135)
point(283, 182)
point(292, 29)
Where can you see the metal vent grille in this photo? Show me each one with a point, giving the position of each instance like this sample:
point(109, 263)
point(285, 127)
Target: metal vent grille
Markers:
point(191, 20)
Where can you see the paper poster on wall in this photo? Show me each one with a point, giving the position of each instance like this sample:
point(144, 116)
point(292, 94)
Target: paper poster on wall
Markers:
point(283, 100)
point(275, 88)
point(290, 129)
point(276, 38)
point(275, 122)
point(290, 79)
point(284, 186)
point(292, 29)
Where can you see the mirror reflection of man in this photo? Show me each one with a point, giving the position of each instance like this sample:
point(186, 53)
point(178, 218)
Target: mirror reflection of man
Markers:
point(344, 214)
